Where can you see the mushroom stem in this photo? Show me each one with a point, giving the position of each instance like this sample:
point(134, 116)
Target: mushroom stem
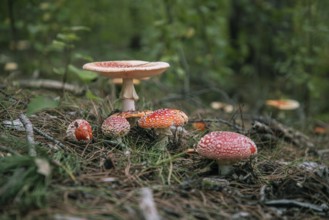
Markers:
point(128, 105)
point(224, 169)
point(128, 95)
point(162, 142)
point(163, 137)
point(116, 142)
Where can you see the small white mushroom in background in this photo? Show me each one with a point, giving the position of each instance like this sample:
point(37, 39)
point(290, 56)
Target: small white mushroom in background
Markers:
point(79, 130)
point(226, 148)
point(115, 127)
point(228, 108)
point(11, 66)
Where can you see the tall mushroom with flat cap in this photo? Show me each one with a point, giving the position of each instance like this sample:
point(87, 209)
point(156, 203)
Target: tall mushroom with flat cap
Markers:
point(127, 70)
point(161, 120)
point(226, 148)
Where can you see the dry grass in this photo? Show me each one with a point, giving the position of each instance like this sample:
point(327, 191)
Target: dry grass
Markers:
point(100, 181)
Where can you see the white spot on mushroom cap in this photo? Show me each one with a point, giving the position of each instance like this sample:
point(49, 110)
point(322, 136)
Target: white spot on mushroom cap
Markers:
point(226, 147)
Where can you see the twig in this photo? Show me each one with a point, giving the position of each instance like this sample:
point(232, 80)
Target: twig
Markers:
point(9, 97)
point(279, 130)
point(147, 204)
point(29, 134)
point(262, 195)
point(295, 203)
point(51, 84)
point(48, 137)
point(12, 22)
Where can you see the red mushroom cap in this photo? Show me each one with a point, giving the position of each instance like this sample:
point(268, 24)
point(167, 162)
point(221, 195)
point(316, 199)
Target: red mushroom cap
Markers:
point(226, 147)
point(163, 118)
point(79, 130)
point(115, 126)
point(283, 104)
point(199, 125)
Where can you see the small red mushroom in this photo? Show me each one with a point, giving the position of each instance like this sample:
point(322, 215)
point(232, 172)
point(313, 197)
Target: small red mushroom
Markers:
point(79, 130)
point(115, 127)
point(199, 125)
point(161, 120)
point(226, 148)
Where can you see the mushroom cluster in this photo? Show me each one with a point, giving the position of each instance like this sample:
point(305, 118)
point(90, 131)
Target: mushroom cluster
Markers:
point(225, 147)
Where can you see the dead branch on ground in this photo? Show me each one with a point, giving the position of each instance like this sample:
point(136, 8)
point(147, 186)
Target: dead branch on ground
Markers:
point(50, 84)
point(29, 134)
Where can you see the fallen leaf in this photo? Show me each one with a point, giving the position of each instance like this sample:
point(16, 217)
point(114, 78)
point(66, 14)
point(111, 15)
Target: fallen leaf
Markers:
point(43, 166)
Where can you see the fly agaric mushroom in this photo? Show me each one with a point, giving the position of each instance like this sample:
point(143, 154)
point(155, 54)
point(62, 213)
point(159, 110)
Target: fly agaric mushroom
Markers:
point(226, 148)
point(115, 127)
point(199, 125)
point(132, 116)
point(283, 104)
point(161, 121)
point(79, 130)
point(127, 70)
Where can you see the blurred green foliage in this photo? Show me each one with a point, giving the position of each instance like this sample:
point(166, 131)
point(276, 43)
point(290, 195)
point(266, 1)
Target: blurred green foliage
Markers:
point(24, 182)
point(40, 103)
point(252, 50)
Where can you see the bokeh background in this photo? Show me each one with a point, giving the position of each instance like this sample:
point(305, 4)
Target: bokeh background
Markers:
point(234, 51)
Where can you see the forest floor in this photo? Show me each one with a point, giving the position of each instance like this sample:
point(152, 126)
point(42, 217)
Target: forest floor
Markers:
point(288, 179)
